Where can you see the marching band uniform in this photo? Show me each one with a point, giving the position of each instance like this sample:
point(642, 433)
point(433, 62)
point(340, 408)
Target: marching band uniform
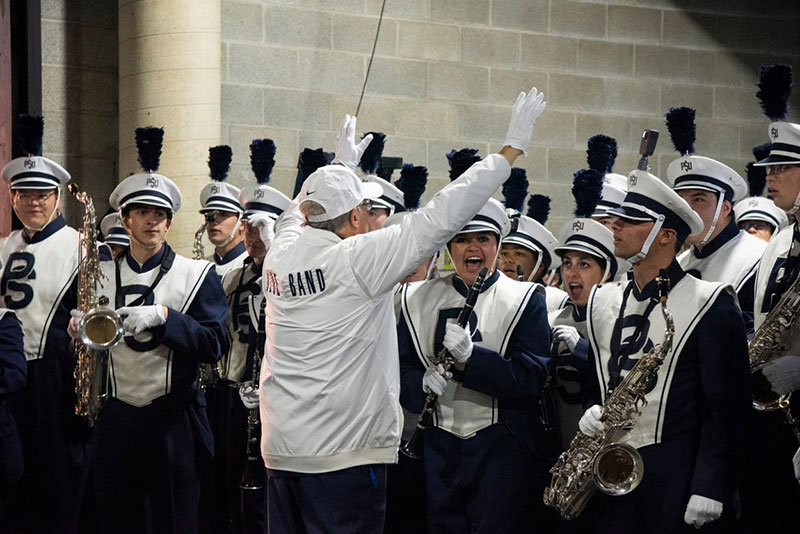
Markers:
point(13, 370)
point(480, 458)
point(687, 430)
point(152, 436)
point(55, 442)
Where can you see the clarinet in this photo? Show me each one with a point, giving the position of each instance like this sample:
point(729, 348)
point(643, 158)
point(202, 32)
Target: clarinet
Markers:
point(253, 463)
point(413, 447)
point(520, 274)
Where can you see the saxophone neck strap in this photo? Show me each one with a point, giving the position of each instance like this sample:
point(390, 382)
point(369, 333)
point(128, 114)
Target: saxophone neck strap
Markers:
point(163, 268)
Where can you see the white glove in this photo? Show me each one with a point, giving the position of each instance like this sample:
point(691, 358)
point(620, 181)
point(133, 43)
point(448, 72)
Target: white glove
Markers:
point(249, 396)
point(142, 317)
point(265, 226)
point(348, 153)
point(458, 342)
point(590, 423)
point(783, 374)
point(434, 380)
point(73, 329)
point(524, 113)
point(796, 462)
point(568, 334)
point(701, 510)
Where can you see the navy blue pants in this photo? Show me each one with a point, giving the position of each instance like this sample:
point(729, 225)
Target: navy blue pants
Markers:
point(56, 446)
point(224, 507)
point(483, 484)
point(350, 501)
point(147, 466)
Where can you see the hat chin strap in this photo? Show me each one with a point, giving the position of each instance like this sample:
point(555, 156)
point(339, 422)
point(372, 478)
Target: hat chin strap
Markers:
point(133, 238)
point(796, 205)
point(535, 267)
point(432, 266)
point(50, 218)
point(233, 233)
point(716, 218)
point(636, 258)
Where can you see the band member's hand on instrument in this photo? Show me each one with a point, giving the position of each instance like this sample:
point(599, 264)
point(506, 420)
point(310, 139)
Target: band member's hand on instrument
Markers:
point(138, 318)
point(590, 423)
point(249, 396)
point(265, 226)
point(701, 510)
point(348, 153)
point(458, 341)
point(435, 380)
point(524, 113)
point(567, 334)
point(73, 329)
point(783, 374)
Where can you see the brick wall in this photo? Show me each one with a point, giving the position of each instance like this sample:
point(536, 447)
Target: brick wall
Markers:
point(79, 94)
point(446, 71)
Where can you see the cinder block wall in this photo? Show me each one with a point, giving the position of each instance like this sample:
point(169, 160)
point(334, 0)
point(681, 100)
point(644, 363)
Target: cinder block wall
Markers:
point(79, 94)
point(446, 71)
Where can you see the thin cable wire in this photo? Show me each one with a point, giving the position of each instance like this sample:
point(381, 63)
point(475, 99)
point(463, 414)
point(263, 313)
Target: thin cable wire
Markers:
point(372, 55)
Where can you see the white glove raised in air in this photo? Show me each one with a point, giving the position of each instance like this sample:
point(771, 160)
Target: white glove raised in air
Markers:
point(348, 153)
point(434, 380)
point(590, 423)
point(138, 318)
point(567, 334)
point(783, 374)
point(702, 510)
point(249, 396)
point(524, 113)
point(796, 462)
point(458, 341)
point(265, 226)
point(73, 329)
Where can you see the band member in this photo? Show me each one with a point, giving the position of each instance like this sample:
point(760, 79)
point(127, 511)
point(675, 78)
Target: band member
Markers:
point(38, 283)
point(757, 215)
point(391, 200)
point(114, 234)
point(587, 259)
point(722, 252)
point(771, 442)
point(152, 436)
point(330, 332)
point(688, 428)
point(480, 460)
point(224, 505)
point(12, 379)
point(530, 248)
point(220, 206)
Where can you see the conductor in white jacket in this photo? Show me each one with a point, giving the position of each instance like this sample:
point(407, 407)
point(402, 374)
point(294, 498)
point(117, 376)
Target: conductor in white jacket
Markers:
point(330, 385)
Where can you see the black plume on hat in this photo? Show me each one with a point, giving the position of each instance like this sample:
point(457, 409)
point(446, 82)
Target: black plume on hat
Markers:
point(30, 130)
point(762, 151)
point(219, 162)
point(310, 160)
point(371, 159)
point(412, 182)
point(539, 208)
point(262, 159)
point(601, 153)
point(461, 160)
point(148, 144)
point(774, 88)
point(515, 189)
point(682, 130)
point(756, 179)
point(587, 188)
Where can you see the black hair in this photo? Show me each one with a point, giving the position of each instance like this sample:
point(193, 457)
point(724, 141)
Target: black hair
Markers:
point(135, 205)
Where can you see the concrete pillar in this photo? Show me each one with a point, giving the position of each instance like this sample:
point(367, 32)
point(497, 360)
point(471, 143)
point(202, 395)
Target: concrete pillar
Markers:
point(169, 76)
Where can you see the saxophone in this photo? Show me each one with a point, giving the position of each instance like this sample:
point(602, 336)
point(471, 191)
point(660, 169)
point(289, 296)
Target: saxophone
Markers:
point(100, 327)
point(209, 372)
point(602, 461)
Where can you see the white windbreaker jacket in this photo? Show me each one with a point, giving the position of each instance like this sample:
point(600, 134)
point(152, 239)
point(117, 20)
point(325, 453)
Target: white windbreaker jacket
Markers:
point(330, 384)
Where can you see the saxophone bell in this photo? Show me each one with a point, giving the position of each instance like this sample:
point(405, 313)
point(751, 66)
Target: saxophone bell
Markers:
point(101, 328)
point(618, 469)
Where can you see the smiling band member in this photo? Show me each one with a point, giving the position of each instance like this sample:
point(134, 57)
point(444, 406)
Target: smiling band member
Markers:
point(587, 259)
point(152, 435)
point(480, 459)
point(220, 206)
point(689, 427)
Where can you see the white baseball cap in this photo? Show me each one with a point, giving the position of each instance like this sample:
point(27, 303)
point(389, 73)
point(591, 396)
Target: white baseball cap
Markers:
point(338, 190)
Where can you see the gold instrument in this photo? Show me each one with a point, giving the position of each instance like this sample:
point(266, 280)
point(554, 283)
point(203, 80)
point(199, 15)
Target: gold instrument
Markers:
point(100, 327)
point(253, 469)
point(602, 461)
